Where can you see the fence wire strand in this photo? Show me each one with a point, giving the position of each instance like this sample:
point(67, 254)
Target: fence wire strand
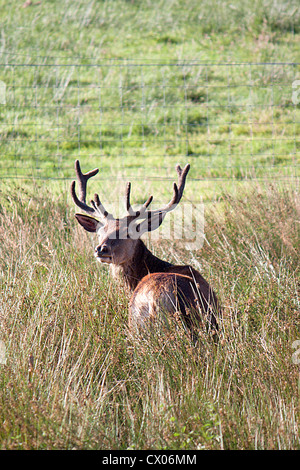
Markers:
point(231, 121)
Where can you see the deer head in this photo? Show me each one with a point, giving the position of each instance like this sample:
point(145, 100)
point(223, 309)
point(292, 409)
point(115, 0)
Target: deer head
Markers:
point(118, 236)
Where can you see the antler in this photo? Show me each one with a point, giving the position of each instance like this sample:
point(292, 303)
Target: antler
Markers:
point(82, 179)
point(177, 194)
point(153, 219)
point(177, 189)
point(128, 206)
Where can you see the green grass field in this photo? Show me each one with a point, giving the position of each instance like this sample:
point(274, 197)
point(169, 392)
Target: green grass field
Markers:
point(117, 83)
point(135, 87)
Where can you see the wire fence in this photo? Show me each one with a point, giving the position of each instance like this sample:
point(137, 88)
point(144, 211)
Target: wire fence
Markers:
point(133, 119)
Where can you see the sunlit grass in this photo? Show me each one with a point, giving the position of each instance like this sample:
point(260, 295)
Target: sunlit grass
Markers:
point(74, 376)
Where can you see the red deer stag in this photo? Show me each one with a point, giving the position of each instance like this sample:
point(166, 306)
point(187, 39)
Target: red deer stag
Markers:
point(158, 286)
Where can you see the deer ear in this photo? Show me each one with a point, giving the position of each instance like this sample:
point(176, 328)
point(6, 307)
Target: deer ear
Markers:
point(88, 223)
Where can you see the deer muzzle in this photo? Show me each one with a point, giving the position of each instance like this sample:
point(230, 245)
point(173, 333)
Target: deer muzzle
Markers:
point(103, 254)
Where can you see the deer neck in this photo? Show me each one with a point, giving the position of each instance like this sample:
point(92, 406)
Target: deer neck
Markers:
point(142, 263)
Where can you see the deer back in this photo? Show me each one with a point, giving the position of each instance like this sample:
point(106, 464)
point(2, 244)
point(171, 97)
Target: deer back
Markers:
point(174, 292)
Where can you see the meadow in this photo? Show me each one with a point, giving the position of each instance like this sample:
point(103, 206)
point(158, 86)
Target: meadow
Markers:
point(135, 87)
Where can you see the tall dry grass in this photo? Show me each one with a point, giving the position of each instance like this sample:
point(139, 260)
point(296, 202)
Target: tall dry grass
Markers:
point(75, 378)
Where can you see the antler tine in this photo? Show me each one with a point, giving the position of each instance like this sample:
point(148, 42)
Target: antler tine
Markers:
point(148, 202)
point(182, 174)
point(129, 209)
point(80, 201)
point(128, 206)
point(177, 189)
point(98, 206)
point(83, 179)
